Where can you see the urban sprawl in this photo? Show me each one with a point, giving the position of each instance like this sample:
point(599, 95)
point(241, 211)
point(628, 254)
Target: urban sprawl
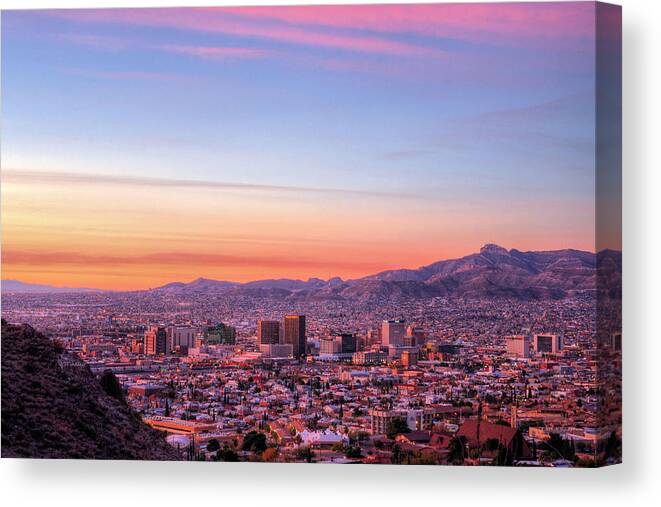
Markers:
point(428, 381)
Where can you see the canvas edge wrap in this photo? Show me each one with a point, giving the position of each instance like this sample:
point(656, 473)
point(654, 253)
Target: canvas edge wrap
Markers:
point(608, 227)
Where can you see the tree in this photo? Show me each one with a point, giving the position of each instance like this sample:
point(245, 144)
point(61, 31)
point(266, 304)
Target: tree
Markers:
point(254, 441)
point(396, 426)
point(353, 452)
point(586, 463)
point(397, 456)
point(111, 385)
point(339, 447)
point(421, 458)
point(613, 447)
point(457, 450)
point(491, 444)
point(306, 453)
point(359, 436)
point(504, 457)
point(558, 447)
point(213, 445)
point(227, 454)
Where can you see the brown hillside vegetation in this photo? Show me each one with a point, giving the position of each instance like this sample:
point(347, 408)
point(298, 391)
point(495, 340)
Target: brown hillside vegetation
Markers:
point(54, 407)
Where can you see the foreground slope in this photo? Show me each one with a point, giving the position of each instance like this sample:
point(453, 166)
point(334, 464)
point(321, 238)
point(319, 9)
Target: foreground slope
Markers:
point(54, 407)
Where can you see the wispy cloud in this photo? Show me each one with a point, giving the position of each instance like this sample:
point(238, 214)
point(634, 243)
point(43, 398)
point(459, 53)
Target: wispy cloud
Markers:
point(41, 177)
point(125, 75)
point(564, 124)
point(540, 23)
point(218, 22)
point(216, 52)
point(116, 44)
point(405, 154)
point(260, 238)
point(101, 42)
point(183, 258)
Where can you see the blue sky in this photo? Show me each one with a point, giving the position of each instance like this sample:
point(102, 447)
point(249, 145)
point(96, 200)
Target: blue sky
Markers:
point(486, 118)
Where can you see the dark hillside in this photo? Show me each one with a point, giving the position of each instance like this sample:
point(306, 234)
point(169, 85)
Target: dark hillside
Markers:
point(54, 407)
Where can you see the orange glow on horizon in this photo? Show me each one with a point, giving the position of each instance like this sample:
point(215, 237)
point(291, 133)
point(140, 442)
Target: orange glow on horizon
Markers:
point(136, 236)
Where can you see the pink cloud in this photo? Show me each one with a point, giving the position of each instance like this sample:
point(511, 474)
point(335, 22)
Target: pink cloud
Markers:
point(96, 41)
point(215, 21)
point(128, 75)
point(476, 22)
point(361, 30)
point(216, 53)
point(120, 44)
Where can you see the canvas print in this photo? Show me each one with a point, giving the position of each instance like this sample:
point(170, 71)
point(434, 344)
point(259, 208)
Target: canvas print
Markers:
point(356, 234)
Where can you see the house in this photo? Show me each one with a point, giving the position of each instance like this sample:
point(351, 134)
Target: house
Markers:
point(414, 437)
point(478, 432)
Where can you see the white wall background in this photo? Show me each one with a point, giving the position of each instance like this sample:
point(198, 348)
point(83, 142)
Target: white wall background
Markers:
point(636, 482)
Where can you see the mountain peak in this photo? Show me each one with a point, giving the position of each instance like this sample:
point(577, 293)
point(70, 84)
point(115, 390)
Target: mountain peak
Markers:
point(491, 248)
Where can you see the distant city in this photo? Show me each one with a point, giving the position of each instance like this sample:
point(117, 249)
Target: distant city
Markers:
point(429, 380)
point(377, 234)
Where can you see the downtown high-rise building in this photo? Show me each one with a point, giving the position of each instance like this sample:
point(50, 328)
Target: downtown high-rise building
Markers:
point(155, 341)
point(220, 334)
point(180, 337)
point(268, 332)
point(294, 327)
point(415, 336)
point(547, 343)
point(393, 333)
point(518, 346)
point(348, 343)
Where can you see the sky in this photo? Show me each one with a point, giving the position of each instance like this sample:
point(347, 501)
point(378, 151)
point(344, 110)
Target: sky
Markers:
point(144, 146)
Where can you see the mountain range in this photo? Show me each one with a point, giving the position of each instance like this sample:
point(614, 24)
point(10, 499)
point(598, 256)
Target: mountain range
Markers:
point(18, 286)
point(492, 272)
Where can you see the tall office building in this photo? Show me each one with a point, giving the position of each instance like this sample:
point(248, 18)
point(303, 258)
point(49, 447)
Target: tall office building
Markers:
point(415, 336)
point(155, 341)
point(547, 343)
point(268, 332)
point(373, 336)
point(220, 334)
point(518, 345)
point(393, 333)
point(137, 346)
point(330, 346)
point(345, 343)
point(180, 336)
point(409, 358)
point(295, 333)
point(348, 343)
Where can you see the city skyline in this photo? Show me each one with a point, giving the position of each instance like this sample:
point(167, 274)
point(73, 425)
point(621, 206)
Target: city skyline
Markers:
point(373, 138)
point(402, 223)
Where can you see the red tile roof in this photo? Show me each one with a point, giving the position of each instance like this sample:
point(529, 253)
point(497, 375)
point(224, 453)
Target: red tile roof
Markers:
point(488, 430)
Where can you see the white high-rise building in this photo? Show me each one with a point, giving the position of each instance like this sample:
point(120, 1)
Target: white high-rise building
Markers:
point(393, 333)
point(518, 345)
point(180, 336)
